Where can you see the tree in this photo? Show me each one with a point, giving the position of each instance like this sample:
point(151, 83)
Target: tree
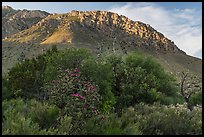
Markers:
point(189, 85)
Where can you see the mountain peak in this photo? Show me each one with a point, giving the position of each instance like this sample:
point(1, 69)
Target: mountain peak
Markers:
point(7, 7)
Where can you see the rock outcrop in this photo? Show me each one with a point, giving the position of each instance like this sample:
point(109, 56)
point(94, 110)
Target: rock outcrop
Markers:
point(14, 21)
point(110, 24)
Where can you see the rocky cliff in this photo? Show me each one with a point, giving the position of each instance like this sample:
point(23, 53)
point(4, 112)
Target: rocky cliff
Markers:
point(14, 21)
point(118, 29)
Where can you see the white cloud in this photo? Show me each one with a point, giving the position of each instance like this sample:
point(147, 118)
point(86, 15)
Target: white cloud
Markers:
point(199, 53)
point(183, 26)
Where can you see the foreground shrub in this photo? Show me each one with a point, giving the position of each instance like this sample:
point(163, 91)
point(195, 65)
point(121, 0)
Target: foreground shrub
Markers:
point(72, 92)
point(15, 121)
point(169, 120)
point(76, 96)
point(63, 128)
point(70, 58)
point(136, 79)
point(32, 111)
point(16, 124)
point(113, 125)
point(42, 113)
point(196, 99)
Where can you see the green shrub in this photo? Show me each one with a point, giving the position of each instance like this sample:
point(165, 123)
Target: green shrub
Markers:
point(69, 58)
point(43, 114)
point(74, 94)
point(196, 99)
point(6, 92)
point(16, 120)
point(112, 125)
point(136, 79)
point(26, 79)
point(63, 128)
point(108, 126)
point(168, 120)
point(16, 124)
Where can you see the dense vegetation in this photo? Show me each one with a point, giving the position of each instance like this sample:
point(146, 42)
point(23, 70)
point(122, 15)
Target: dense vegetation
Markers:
point(74, 92)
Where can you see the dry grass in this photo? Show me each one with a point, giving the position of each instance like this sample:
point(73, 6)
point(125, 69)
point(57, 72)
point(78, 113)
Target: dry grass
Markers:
point(59, 36)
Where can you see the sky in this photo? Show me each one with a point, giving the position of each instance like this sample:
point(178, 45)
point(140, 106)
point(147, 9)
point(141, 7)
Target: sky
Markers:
point(180, 22)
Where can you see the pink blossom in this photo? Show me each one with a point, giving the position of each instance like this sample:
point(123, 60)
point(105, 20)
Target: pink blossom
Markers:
point(76, 69)
point(75, 95)
point(86, 84)
point(73, 74)
point(86, 91)
point(92, 88)
point(81, 97)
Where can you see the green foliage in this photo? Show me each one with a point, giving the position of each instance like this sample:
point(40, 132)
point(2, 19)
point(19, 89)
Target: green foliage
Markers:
point(83, 94)
point(43, 114)
point(15, 121)
point(74, 94)
point(167, 100)
point(196, 99)
point(70, 58)
point(64, 127)
point(6, 92)
point(99, 71)
point(168, 120)
point(112, 125)
point(27, 78)
point(136, 78)
point(16, 124)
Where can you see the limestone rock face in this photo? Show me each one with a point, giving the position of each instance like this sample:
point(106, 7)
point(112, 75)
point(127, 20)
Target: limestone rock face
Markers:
point(117, 29)
point(110, 23)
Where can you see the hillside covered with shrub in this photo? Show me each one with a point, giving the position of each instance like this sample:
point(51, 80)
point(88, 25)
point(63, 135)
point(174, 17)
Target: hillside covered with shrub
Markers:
point(74, 92)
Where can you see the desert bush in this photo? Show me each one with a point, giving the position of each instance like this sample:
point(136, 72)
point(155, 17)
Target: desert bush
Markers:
point(43, 114)
point(16, 124)
point(100, 72)
point(6, 92)
point(69, 58)
point(113, 125)
point(108, 126)
point(26, 79)
point(136, 79)
point(15, 121)
point(72, 91)
point(169, 120)
point(196, 99)
point(63, 128)
point(76, 96)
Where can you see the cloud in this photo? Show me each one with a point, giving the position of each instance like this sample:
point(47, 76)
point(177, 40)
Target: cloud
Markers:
point(183, 26)
point(198, 54)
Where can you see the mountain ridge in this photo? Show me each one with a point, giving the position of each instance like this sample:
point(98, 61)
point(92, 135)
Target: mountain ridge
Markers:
point(14, 21)
point(108, 23)
point(99, 31)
